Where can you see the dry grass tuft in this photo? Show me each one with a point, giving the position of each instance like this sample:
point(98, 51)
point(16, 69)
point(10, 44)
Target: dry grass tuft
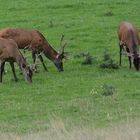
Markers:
point(58, 131)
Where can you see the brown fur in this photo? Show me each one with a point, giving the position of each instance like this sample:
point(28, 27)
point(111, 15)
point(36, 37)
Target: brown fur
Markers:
point(34, 40)
point(129, 40)
point(9, 52)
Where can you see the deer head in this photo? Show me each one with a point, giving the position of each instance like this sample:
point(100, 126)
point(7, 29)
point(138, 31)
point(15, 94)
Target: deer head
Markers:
point(27, 72)
point(136, 61)
point(59, 57)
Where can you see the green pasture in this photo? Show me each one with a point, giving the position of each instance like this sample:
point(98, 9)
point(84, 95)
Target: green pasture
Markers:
point(73, 96)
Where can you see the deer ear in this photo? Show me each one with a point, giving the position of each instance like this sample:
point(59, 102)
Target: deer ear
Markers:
point(23, 65)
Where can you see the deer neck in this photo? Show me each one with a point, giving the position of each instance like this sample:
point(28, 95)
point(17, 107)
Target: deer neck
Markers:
point(21, 60)
point(49, 52)
point(133, 43)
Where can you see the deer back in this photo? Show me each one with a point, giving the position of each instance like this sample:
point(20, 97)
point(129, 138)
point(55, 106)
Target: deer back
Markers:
point(129, 36)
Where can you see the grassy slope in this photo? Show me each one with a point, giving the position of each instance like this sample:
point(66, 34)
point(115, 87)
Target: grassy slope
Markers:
point(70, 95)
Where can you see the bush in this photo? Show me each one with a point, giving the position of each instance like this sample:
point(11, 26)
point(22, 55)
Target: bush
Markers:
point(108, 14)
point(107, 90)
point(108, 62)
point(88, 59)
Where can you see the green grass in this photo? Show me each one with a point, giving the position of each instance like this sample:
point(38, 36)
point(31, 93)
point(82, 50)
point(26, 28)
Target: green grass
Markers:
point(74, 95)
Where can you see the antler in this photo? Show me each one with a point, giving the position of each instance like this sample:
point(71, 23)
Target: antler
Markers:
point(62, 46)
point(62, 37)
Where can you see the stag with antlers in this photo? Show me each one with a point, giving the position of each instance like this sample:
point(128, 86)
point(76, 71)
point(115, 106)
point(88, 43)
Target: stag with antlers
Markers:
point(36, 42)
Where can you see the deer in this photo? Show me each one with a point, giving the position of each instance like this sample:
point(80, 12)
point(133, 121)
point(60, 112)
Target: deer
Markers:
point(9, 52)
point(35, 41)
point(129, 41)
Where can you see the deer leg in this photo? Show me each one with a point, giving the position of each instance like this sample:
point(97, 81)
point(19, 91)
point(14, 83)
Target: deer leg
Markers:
point(121, 47)
point(13, 70)
point(130, 64)
point(2, 70)
point(34, 57)
point(25, 48)
point(42, 61)
point(129, 58)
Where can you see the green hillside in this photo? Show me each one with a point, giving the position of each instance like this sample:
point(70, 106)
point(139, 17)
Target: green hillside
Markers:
point(75, 95)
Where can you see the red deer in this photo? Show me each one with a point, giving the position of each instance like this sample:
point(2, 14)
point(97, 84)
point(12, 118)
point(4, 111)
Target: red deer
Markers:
point(129, 41)
point(34, 40)
point(9, 52)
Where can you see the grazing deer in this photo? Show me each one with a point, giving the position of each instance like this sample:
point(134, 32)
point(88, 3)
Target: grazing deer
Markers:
point(36, 42)
point(9, 52)
point(129, 41)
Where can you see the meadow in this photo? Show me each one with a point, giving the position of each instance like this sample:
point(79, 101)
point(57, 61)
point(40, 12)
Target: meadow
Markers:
point(73, 96)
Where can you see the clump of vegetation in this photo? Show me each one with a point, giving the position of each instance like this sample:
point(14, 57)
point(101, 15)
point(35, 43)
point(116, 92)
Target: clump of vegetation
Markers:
point(88, 59)
point(80, 55)
point(108, 62)
point(108, 14)
point(108, 89)
point(51, 24)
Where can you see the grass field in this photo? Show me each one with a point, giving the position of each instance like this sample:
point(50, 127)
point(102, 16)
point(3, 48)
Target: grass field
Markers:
point(73, 96)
